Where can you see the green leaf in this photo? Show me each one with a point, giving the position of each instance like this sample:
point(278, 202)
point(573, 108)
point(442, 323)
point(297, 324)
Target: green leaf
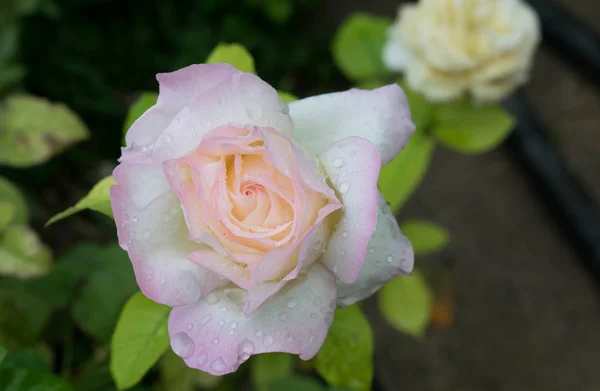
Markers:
point(98, 199)
point(286, 97)
point(405, 303)
point(139, 107)
point(7, 214)
point(31, 380)
point(399, 179)
point(296, 384)
point(97, 307)
point(269, 367)
point(279, 11)
point(10, 194)
point(233, 54)
point(140, 338)
point(421, 110)
point(346, 357)
point(357, 46)
point(425, 236)
point(3, 353)
point(471, 130)
point(33, 358)
point(32, 130)
point(22, 254)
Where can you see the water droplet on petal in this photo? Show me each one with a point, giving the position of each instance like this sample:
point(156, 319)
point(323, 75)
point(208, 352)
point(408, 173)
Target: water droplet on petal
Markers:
point(182, 345)
point(282, 316)
point(201, 360)
point(345, 234)
point(378, 264)
point(371, 250)
point(190, 326)
point(221, 323)
point(134, 219)
point(339, 163)
point(212, 299)
point(313, 315)
point(206, 319)
point(291, 303)
point(254, 112)
point(389, 258)
point(218, 365)
point(231, 332)
point(289, 340)
point(268, 340)
point(344, 187)
point(168, 139)
point(258, 333)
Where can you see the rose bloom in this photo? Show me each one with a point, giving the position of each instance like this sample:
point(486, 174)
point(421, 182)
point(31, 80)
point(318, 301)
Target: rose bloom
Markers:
point(254, 220)
point(449, 47)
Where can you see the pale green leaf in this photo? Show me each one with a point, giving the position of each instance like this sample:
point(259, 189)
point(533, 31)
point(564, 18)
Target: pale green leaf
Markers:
point(286, 96)
point(32, 130)
point(405, 303)
point(7, 214)
point(233, 54)
point(400, 178)
point(346, 357)
point(358, 44)
point(426, 237)
point(22, 254)
point(139, 107)
point(98, 199)
point(3, 353)
point(140, 338)
point(469, 129)
point(11, 195)
point(269, 367)
point(97, 306)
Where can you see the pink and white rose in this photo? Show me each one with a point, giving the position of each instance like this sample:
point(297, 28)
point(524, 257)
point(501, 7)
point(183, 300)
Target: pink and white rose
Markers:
point(254, 220)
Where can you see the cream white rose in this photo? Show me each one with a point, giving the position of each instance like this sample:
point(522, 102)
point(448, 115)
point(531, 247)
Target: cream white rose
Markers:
point(449, 47)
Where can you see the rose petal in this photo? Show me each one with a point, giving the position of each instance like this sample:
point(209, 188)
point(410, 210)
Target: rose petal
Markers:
point(156, 239)
point(231, 98)
point(389, 255)
point(213, 335)
point(381, 116)
point(353, 167)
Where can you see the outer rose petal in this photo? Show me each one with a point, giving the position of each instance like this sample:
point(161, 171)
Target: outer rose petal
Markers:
point(214, 95)
point(389, 255)
point(353, 167)
point(151, 228)
point(381, 116)
point(214, 336)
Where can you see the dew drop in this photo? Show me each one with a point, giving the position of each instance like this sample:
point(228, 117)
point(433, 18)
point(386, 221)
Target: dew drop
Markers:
point(206, 319)
point(201, 360)
point(258, 333)
point(218, 365)
point(291, 303)
point(344, 187)
point(168, 139)
point(339, 163)
point(176, 120)
point(254, 112)
point(211, 299)
point(313, 315)
point(283, 316)
point(352, 226)
point(345, 234)
point(231, 332)
point(233, 325)
point(190, 326)
point(134, 219)
point(268, 341)
point(182, 345)
point(216, 341)
point(378, 264)
point(221, 323)
point(371, 250)
point(389, 258)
